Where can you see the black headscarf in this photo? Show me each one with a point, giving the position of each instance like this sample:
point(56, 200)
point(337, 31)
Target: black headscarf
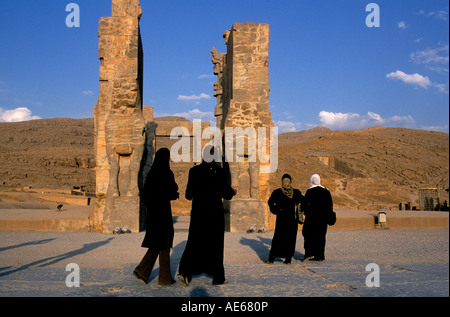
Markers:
point(159, 171)
point(287, 190)
point(161, 161)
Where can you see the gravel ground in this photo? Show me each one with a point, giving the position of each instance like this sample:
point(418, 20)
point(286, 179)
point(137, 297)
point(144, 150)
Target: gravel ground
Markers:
point(412, 263)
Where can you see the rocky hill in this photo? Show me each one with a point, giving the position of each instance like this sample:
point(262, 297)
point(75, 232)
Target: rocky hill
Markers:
point(48, 153)
point(377, 167)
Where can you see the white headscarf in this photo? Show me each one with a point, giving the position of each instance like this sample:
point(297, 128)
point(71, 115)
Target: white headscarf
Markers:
point(315, 181)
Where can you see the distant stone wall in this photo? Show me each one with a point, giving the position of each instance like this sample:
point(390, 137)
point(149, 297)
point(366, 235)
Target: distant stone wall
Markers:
point(340, 166)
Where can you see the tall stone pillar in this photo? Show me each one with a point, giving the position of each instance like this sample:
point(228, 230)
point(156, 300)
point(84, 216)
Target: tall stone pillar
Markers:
point(119, 122)
point(242, 113)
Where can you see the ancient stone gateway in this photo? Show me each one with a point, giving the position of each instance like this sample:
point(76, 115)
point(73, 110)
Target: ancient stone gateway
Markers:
point(242, 92)
point(125, 132)
point(120, 127)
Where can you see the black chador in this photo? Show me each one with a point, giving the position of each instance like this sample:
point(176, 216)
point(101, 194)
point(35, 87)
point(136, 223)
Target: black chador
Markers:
point(320, 205)
point(282, 203)
point(207, 186)
point(160, 188)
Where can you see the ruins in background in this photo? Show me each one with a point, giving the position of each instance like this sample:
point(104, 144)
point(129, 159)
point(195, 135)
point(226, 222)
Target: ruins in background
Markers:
point(126, 137)
point(242, 92)
point(120, 127)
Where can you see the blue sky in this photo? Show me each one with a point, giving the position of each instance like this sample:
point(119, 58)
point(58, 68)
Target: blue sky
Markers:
point(327, 67)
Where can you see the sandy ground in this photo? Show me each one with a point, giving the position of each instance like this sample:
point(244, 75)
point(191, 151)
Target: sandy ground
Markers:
point(412, 263)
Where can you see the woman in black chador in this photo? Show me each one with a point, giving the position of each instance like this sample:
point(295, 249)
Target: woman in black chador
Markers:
point(160, 188)
point(319, 206)
point(282, 203)
point(207, 186)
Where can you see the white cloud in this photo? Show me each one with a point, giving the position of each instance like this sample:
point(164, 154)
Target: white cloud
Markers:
point(410, 79)
point(197, 114)
point(437, 55)
point(287, 115)
point(205, 76)
point(194, 97)
point(338, 121)
point(442, 88)
point(439, 14)
point(442, 15)
point(191, 115)
point(88, 92)
point(402, 25)
point(355, 121)
point(399, 121)
point(436, 128)
point(16, 115)
point(287, 126)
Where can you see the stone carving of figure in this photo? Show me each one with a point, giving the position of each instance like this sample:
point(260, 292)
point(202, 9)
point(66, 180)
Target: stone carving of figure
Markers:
point(125, 138)
point(217, 60)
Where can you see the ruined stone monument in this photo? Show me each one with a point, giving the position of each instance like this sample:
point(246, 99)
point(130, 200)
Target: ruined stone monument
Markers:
point(120, 138)
point(125, 136)
point(242, 92)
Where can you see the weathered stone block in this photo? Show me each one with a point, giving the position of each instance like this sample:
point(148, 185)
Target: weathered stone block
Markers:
point(116, 217)
point(126, 8)
point(120, 138)
point(242, 93)
point(240, 214)
point(118, 26)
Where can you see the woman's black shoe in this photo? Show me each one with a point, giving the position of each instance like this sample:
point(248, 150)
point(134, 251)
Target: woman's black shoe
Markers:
point(139, 277)
point(183, 279)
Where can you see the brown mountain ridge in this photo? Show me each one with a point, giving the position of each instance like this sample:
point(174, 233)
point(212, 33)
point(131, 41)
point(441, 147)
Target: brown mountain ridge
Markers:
point(366, 169)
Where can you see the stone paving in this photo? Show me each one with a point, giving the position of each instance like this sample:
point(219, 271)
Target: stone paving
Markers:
point(411, 262)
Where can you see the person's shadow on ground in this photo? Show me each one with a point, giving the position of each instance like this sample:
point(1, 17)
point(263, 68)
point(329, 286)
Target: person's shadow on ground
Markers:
point(261, 246)
point(58, 258)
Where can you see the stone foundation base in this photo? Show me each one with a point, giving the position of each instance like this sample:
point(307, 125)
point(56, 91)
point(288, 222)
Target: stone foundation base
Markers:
point(241, 214)
point(123, 212)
